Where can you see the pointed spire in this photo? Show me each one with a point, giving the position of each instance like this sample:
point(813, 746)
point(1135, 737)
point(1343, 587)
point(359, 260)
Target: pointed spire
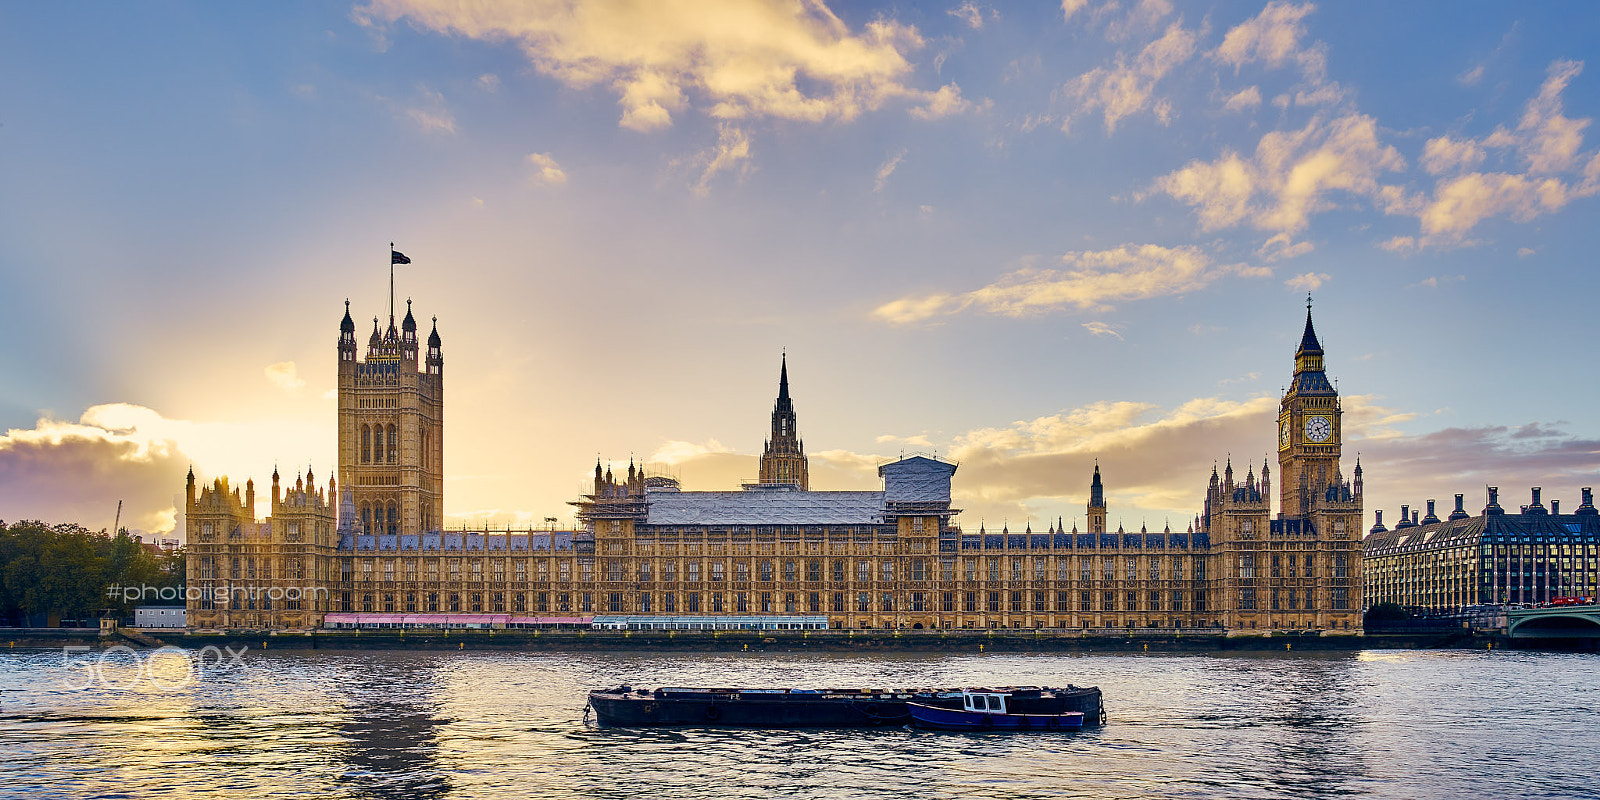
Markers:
point(783, 378)
point(410, 323)
point(347, 325)
point(433, 338)
point(1308, 341)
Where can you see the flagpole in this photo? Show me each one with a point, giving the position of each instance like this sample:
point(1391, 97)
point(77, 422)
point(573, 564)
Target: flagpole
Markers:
point(391, 284)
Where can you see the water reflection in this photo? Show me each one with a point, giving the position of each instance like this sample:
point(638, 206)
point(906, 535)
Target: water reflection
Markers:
point(434, 725)
point(390, 729)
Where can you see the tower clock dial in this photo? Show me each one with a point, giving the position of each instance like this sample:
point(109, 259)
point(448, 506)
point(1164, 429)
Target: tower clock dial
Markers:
point(1283, 434)
point(1318, 429)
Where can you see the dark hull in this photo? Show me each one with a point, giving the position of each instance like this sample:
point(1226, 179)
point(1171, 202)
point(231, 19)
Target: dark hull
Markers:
point(955, 719)
point(832, 709)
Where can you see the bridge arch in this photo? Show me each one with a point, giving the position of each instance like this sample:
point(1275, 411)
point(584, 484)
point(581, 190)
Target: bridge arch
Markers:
point(1557, 626)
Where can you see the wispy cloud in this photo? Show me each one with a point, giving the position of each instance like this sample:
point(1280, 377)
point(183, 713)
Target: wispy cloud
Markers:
point(1090, 279)
point(972, 14)
point(731, 153)
point(1127, 87)
point(1102, 329)
point(548, 171)
point(886, 169)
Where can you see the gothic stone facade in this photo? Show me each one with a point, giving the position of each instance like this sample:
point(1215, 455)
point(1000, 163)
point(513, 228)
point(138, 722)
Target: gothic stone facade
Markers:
point(888, 559)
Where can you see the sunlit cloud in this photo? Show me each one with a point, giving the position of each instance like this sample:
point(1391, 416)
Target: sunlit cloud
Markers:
point(548, 171)
point(1307, 282)
point(1289, 178)
point(1090, 280)
point(77, 471)
point(972, 14)
point(1243, 100)
point(729, 59)
point(1128, 87)
point(731, 154)
point(284, 376)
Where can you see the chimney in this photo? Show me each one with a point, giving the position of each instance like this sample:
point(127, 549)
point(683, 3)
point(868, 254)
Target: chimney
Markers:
point(1555, 507)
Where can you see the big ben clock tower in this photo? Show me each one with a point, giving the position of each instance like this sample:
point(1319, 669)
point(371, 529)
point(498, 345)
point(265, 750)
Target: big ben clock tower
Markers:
point(1309, 431)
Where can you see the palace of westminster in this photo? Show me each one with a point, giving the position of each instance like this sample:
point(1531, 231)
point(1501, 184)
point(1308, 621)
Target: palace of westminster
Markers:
point(368, 548)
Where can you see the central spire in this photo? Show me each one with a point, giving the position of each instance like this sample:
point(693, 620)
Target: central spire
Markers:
point(783, 379)
point(783, 460)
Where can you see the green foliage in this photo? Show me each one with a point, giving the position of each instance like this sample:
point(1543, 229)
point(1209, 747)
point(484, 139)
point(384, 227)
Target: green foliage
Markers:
point(1387, 612)
point(67, 569)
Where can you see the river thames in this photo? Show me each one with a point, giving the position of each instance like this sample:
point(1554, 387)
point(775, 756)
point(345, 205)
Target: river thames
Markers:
point(1380, 723)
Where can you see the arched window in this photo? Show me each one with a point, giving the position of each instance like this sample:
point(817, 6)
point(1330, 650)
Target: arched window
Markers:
point(366, 519)
point(394, 520)
point(393, 444)
point(366, 444)
point(427, 455)
point(377, 443)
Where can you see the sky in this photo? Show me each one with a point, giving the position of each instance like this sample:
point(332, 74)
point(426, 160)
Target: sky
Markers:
point(1026, 237)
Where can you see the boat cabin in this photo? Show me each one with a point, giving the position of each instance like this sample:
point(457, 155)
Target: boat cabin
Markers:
point(984, 702)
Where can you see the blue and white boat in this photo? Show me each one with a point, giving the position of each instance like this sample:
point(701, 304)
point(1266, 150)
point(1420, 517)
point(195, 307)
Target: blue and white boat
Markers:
point(985, 710)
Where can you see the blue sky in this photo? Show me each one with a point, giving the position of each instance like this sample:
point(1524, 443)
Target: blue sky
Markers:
point(1027, 237)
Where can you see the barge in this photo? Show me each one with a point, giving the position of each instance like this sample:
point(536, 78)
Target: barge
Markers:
point(626, 706)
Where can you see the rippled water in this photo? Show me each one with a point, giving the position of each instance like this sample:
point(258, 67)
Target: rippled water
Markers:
point(375, 724)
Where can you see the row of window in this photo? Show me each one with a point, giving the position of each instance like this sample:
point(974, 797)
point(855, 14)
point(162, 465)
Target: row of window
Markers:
point(1290, 600)
point(780, 602)
point(1284, 566)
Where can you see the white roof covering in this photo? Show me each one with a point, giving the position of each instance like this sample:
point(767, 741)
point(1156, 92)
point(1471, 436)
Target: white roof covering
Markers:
point(765, 508)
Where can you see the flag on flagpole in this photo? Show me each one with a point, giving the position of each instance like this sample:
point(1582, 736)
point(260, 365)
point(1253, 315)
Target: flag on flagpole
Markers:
point(397, 257)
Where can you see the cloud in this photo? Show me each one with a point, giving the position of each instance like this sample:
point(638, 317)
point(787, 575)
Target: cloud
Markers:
point(920, 440)
point(65, 472)
point(1524, 252)
point(1412, 469)
point(1102, 329)
point(1127, 88)
point(284, 376)
point(1399, 244)
point(886, 169)
point(1290, 176)
point(729, 59)
point(1282, 246)
point(1247, 98)
point(427, 111)
point(1271, 37)
point(1307, 282)
point(1546, 141)
point(971, 13)
point(1472, 76)
point(1436, 281)
point(1090, 280)
point(77, 471)
point(1070, 7)
point(1444, 154)
point(945, 102)
point(549, 171)
point(731, 153)
point(489, 82)
point(676, 452)
point(1461, 203)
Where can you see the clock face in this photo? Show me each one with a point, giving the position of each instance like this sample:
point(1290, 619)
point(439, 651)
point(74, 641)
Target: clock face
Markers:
point(1318, 429)
point(1283, 434)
